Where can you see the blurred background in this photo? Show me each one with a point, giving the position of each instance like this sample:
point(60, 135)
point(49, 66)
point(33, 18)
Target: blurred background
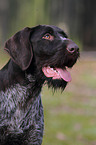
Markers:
point(70, 117)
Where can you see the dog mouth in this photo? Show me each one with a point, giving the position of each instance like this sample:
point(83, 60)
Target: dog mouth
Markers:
point(57, 73)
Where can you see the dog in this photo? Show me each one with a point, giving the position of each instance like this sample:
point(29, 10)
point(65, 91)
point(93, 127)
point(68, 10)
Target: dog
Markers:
point(39, 54)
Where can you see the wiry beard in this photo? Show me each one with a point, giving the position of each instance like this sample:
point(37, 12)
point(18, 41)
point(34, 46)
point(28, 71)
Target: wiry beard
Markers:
point(56, 84)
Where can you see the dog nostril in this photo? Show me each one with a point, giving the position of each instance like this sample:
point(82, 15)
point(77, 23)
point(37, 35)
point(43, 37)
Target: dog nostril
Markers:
point(71, 50)
point(77, 49)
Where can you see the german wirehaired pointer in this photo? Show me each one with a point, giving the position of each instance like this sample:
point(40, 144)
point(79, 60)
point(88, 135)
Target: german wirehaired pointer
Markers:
point(39, 54)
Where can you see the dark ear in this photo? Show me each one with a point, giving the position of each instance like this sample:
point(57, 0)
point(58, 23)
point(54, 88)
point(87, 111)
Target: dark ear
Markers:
point(20, 49)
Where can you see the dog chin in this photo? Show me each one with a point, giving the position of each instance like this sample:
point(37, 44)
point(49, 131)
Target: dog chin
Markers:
point(56, 83)
point(56, 78)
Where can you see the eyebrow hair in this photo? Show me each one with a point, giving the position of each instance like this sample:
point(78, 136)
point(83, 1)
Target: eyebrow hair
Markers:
point(64, 34)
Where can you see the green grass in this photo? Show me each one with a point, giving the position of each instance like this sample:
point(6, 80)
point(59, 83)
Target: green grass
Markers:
point(70, 117)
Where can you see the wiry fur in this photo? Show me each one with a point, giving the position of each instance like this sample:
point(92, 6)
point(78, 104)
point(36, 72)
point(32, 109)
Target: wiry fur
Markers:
point(22, 78)
point(18, 120)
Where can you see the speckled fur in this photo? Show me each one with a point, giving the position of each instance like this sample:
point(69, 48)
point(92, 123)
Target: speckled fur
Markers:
point(18, 121)
point(22, 78)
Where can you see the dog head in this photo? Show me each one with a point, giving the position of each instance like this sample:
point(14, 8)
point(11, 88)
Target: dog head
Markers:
point(49, 48)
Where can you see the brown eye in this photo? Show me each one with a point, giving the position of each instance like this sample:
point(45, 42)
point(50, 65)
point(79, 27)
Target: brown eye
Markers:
point(48, 37)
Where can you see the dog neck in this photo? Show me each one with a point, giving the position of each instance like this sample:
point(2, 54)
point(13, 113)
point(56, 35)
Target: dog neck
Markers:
point(13, 75)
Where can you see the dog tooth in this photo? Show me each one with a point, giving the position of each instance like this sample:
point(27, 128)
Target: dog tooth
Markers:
point(55, 70)
point(51, 68)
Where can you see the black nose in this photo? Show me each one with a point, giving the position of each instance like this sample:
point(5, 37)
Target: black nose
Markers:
point(72, 47)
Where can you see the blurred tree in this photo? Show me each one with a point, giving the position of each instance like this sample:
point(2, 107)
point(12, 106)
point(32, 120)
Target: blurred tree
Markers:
point(79, 16)
point(89, 25)
point(4, 6)
point(8, 11)
point(33, 12)
point(17, 14)
point(76, 17)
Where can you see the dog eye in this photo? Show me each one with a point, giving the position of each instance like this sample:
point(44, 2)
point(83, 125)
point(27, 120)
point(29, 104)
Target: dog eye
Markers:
point(48, 37)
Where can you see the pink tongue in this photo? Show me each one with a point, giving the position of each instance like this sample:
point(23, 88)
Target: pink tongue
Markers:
point(64, 74)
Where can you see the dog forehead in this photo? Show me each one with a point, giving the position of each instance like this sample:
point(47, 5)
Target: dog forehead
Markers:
point(52, 28)
point(55, 28)
point(43, 29)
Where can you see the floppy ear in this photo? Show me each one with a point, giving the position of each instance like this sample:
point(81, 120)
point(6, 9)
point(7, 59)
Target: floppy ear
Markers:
point(20, 49)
